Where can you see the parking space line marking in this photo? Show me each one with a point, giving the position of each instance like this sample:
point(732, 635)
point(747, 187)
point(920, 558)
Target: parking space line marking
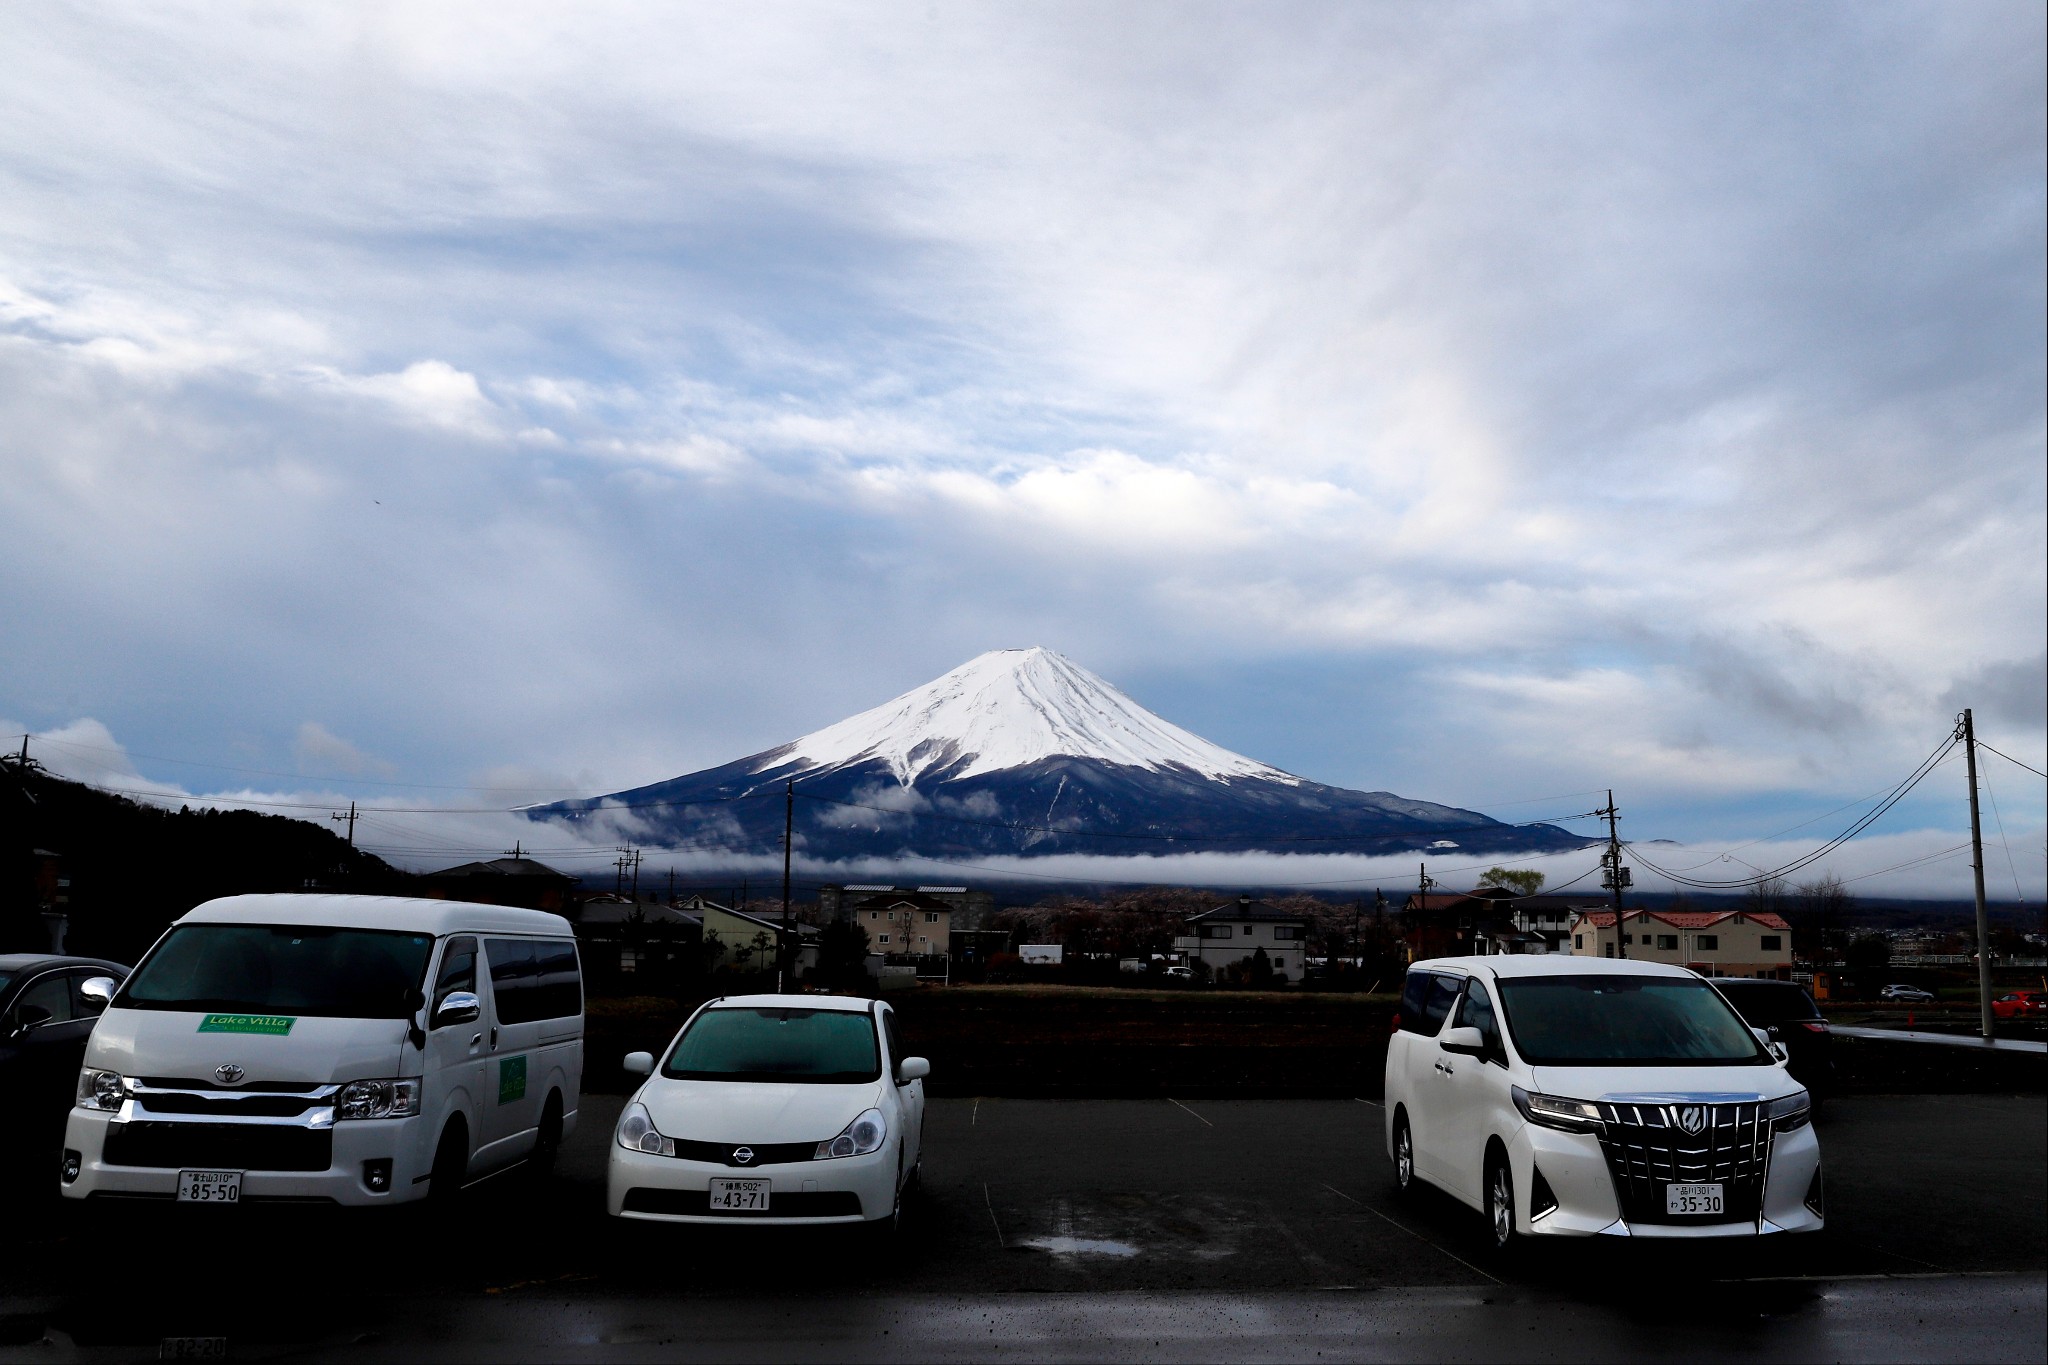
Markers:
point(1374, 1103)
point(989, 1204)
point(974, 1115)
point(1412, 1233)
point(1171, 1100)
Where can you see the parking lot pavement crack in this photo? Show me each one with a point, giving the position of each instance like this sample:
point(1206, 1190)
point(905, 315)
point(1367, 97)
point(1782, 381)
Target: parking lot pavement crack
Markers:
point(1413, 1233)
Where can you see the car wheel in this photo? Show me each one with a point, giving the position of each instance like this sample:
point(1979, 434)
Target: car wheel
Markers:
point(547, 1143)
point(1404, 1154)
point(1500, 1205)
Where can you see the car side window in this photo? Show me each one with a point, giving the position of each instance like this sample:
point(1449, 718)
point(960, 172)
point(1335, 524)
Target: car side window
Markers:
point(1443, 994)
point(458, 968)
point(1476, 1011)
point(46, 1000)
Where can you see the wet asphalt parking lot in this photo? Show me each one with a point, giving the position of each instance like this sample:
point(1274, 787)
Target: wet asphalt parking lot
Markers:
point(1080, 1229)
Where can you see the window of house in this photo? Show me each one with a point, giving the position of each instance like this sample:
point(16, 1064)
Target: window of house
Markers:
point(881, 938)
point(922, 939)
point(1708, 943)
point(1215, 931)
point(1610, 949)
point(1578, 940)
point(1286, 932)
point(1773, 942)
point(1628, 938)
point(931, 917)
point(1667, 941)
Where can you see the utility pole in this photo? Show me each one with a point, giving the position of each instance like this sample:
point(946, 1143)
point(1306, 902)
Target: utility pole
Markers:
point(1969, 729)
point(350, 817)
point(788, 964)
point(1613, 875)
point(636, 875)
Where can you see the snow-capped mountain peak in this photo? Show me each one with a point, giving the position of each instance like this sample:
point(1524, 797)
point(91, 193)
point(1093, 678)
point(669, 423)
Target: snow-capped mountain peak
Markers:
point(1007, 708)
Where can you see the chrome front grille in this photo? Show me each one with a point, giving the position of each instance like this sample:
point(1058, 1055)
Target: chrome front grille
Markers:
point(1647, 1146)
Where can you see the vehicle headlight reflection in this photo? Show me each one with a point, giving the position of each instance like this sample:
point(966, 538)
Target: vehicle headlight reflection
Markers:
point(865, 1134)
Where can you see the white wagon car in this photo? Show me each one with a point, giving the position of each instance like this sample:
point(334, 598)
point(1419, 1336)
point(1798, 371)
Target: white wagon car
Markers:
point(786, 1109)
point(1571, 1096)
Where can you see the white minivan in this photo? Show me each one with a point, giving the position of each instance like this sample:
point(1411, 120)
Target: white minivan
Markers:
point(1574, 1096)
point(328, 1048)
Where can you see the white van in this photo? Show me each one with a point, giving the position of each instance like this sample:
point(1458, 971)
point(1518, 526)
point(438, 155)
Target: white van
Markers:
point(345, 1049)
point(1575, 1096)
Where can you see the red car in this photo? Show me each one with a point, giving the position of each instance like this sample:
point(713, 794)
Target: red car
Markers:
point(2020, 1005)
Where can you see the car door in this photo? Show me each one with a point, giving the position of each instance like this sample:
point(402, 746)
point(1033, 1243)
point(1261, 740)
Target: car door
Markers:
point(1428, 1073)
point(1474, 1095)
point(909, 1095)
point(511, 1099)
point(44, 1028)
point(453, 1069)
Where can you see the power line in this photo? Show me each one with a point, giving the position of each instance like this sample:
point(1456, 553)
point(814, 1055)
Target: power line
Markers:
point(1897, 794)
point(2010, 759)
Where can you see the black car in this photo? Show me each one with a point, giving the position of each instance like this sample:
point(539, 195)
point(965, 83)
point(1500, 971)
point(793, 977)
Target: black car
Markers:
point(44, 1023)
point(1787, 1013)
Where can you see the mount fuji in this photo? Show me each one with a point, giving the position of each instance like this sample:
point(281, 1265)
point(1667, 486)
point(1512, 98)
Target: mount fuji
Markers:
point(1023, 751)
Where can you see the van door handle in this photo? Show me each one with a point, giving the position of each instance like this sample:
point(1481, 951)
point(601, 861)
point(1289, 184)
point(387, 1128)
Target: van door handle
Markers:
point(478, 1039)
point(1446, 1070)
point(494, 1037)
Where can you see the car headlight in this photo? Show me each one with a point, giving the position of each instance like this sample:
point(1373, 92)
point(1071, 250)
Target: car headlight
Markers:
point(637, 1132)
point(101, 1089)
point(393, 1099)
point(1790, 1113)
point(1554, 1111)
point(865, 1134)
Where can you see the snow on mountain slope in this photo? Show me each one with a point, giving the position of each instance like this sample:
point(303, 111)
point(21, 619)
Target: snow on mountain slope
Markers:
point(1007, 708)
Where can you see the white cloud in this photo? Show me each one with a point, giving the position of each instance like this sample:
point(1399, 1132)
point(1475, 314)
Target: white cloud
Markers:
point(315, 746)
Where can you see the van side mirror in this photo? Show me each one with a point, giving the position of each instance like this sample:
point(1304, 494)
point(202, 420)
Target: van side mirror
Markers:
point(1464, 1039)
point(912, 1069)
point(1763, 1038)
point(98, 992)
point(639, 1064)
point(458, 1007)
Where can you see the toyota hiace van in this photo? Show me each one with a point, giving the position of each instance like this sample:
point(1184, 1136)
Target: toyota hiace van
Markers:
point(328, 1048)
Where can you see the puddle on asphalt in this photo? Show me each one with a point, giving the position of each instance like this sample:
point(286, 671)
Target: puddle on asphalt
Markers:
point(1079, 1246)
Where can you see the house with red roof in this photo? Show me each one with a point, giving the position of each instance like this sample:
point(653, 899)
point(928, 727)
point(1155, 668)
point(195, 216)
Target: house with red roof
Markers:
point(1710, 942)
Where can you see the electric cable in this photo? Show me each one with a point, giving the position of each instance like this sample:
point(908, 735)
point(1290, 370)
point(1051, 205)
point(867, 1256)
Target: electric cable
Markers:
point(2010, 759)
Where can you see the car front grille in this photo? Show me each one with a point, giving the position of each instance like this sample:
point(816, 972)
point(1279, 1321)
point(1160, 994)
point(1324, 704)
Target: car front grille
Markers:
point(1647, 1147)
point(229, 1105)
point(697, 1203)
point(763, 1153)
point(219, 1146)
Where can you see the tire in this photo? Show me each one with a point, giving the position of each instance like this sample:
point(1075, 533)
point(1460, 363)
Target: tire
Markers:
point(1404, 1154)
point(451, 1167)
point(1500, 1205)
point(547, 1142)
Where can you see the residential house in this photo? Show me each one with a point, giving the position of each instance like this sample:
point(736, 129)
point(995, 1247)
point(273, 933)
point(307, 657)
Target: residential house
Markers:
point(735, 932)
point(1711, 942)
point(1488, 920)
point(970, 909)
point(634, 938)
point(517, 881)
point(904, 922)
point(1233, 932)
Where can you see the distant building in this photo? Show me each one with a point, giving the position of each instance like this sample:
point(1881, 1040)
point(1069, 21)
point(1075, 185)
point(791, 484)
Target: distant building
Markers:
point(1235, 931)
point(515, 881)
point(1488, 920)
point(898, 921)
point(1712, 943)
point(634, 937)
point(969, 908)
point(734, 931)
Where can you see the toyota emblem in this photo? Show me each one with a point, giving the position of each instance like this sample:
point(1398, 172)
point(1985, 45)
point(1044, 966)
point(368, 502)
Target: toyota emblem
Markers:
point(1692, 1119)
point(227, 1073)
point(742, 1155)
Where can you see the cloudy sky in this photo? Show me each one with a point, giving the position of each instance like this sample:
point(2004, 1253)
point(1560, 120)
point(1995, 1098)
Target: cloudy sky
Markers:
point(468, 404)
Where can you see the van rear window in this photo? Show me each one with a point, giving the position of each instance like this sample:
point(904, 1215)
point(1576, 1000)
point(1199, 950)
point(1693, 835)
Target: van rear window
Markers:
point(1426, 1000)
point(282, 969)
point(534, 979)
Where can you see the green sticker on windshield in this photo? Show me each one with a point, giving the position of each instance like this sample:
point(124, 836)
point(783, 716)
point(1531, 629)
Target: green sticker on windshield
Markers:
point(276, 1025)
point(511, 1080)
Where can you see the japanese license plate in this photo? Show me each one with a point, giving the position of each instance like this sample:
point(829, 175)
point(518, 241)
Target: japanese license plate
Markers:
point(747, 1195)
point(1693, 1199)
point(209, 1187)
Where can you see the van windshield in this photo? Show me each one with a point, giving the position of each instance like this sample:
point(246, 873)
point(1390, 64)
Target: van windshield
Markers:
point(1625, 1021)
point(774, 1044)
point(282, 969)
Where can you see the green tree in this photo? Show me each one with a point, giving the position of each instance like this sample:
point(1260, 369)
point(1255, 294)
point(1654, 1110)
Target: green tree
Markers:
point(842, 955)
point(1521, 881)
